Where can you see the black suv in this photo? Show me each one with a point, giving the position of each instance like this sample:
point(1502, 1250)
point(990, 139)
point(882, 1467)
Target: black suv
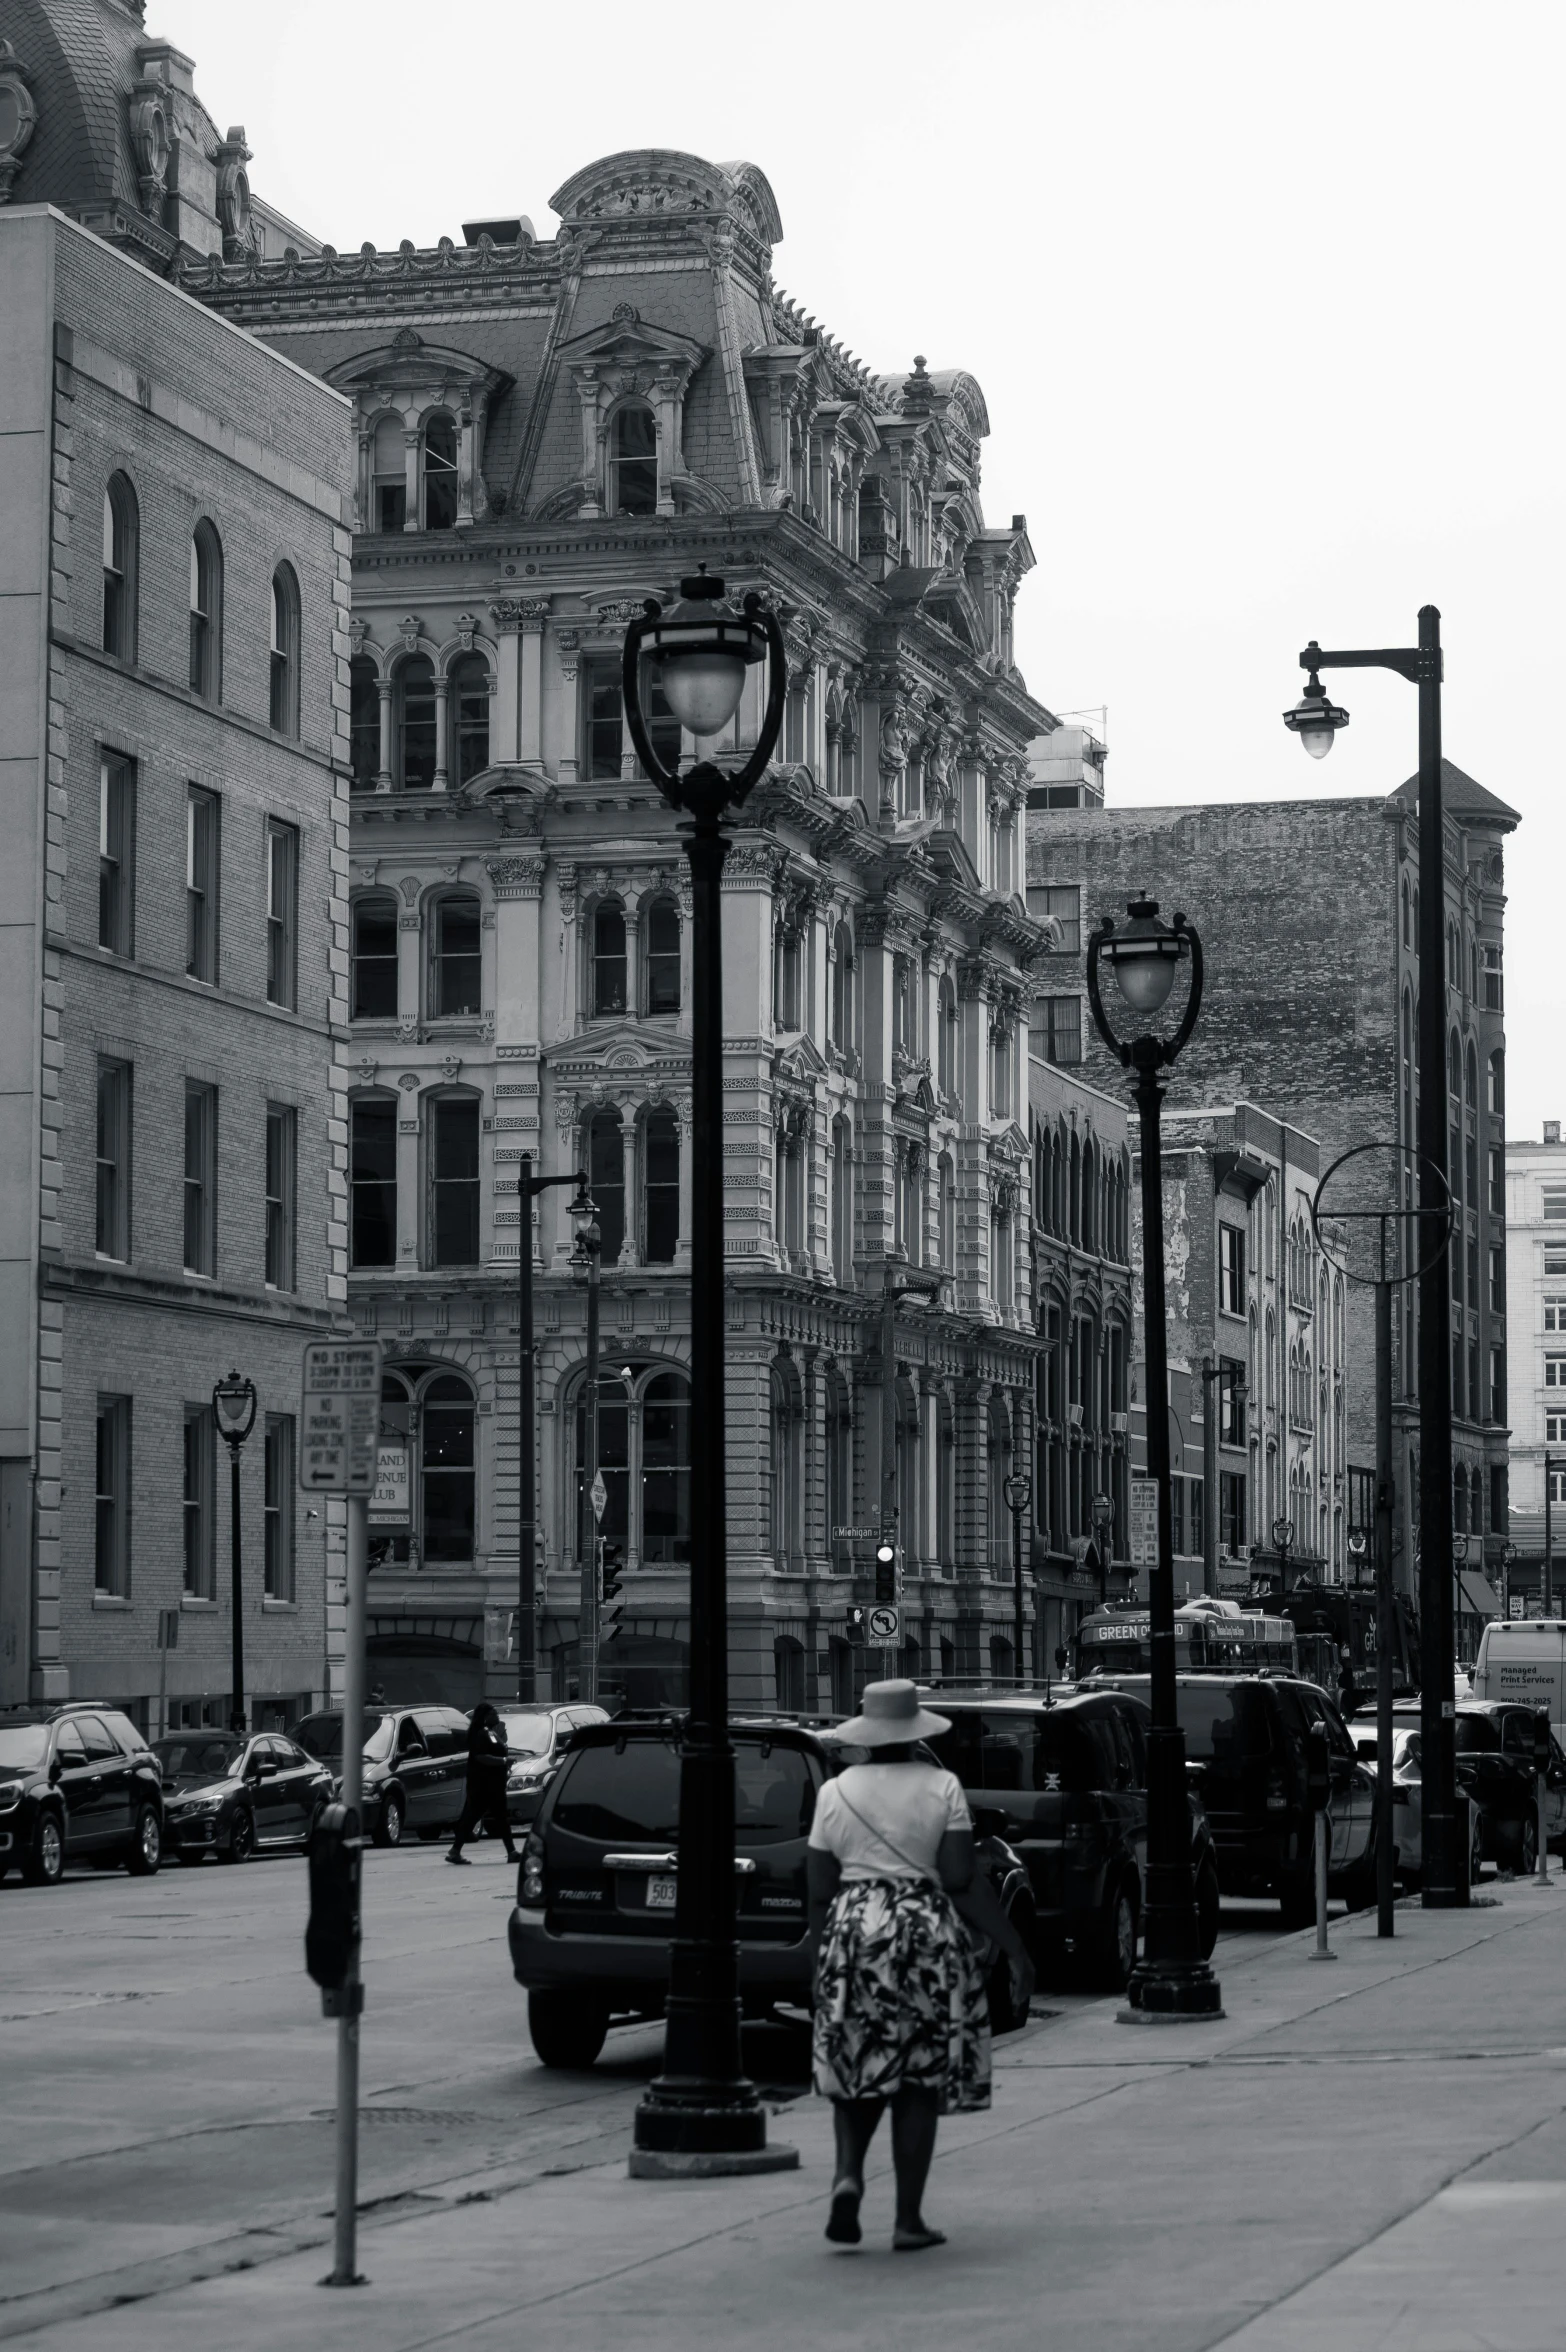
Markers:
point(78, 1783)
point(1245, 1750)
point(595, 1892)
point(1065, 1781)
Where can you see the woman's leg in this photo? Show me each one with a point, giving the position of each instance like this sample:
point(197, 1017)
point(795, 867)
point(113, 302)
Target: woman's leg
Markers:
point(853, 2123)
point(915, 2114)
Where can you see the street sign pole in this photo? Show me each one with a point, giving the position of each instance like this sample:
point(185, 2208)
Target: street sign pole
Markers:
point(341, 1423)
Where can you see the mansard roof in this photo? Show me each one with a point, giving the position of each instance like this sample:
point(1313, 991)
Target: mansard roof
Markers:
point(1461, 796)
point(79, 60)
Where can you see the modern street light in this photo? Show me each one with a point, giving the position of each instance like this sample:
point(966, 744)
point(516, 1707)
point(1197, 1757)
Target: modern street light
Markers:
point(234, 1411)
point(529, 1187)
point(701, 2113)
point(587, 1258)
point(1316, 721)
point(1017, 1488)
point(1171, 1979)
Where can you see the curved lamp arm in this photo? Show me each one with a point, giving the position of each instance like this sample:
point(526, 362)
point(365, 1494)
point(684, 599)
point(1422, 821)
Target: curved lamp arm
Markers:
point(1163, 1050)
point(1193, 1002)
point(1122, 1053)
point(670, 783)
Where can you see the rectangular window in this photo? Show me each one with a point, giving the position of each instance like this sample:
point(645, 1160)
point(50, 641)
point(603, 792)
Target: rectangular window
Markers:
point(454, 1181)
point(1497, 1281)
point(1362, 1500)
point(201, 884)
point(1231, 1269)
point(114, 1158)
point(278, 1554)
point(1552, 1204)
point(1557, 1486)
point(200, 1177)
point(282, 1130)
point(373, 1183)
point(1198, 1518)
point(1492, 975)
point(200, 1486)
point(1497, 1180)
point(1231, 1402)
point(661, 1147)
point(117, 855)
point(1555, 1313)
point(603, 717)
point(1177, 1515)
point(111, 1568)
point(1231, 1511)
point(1498, 1384)
point(1555, 1371)
point(1062, 1028)
point(1555, 1428)
point(1063, 900)
point(282, 912)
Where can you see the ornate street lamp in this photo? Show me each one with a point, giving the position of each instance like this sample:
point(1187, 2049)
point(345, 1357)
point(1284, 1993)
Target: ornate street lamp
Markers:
point(1102, 1510)
point(1316, 721)
point(1171, 1979)
point(1282, 1537)
point(701, 2114)
point(234, 1411)
point(529, 1187)
point(1017, 1489)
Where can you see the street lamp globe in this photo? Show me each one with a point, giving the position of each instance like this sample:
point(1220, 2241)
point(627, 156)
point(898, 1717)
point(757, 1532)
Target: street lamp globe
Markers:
point(699, 655)
point(1144, 956)
point(234, 1407)
point(1313, 718)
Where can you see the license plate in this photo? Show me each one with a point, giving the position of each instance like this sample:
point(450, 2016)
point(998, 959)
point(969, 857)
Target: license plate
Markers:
point(661, 1893)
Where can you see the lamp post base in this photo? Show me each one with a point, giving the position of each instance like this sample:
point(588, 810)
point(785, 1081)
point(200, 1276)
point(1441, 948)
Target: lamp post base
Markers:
point(1171, 1991)
point(694, 2164)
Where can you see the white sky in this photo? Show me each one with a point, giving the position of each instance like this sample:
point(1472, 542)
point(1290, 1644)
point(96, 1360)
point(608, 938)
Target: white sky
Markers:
point(1264, 301)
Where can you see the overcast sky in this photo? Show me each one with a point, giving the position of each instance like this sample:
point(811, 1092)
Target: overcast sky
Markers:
point(1264, 300)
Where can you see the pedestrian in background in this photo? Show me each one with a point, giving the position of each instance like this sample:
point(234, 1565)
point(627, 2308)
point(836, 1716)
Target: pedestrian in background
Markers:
point(902, 2016)
point(485, 1799)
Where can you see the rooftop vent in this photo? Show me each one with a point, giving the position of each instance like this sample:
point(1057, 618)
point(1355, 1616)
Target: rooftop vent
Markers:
point(1552, 1131)
point(517, 231)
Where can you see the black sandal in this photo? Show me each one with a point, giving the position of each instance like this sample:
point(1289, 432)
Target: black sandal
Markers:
point(843, 2222)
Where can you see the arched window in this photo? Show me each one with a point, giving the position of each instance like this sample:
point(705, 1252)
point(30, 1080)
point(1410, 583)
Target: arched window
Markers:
point(660, 1188)
point(453, 1149)
point(606, 1181)
point(415, 706)
point(608, 973)
point(206, 613)
point(373, 958)
point(372, 1181)
point(284, 656)
point(440, 473)
point(946, 1038)
point(364, 722)
point(1497, 1084)
point(842, 1203)
point(842, 988)
point(1406, 935)
point(456, 962)
point(666, 1469)
point(121, 532)
point(389, 488)
point(633, 461)
point(1089, 1195)
point(788, 1198)
point(1074, 1211)
point(662, 950)
point(469, 690)
point(946, 1179)
point(447, 1452)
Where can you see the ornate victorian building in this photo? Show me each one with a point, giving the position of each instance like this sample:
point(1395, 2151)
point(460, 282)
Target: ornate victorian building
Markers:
point(546, 433)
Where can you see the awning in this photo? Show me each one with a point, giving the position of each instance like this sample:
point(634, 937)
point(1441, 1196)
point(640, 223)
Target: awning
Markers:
point(1478, 1598)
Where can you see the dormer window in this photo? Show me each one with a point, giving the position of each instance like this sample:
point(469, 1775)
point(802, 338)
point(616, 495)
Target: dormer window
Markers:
point(390, 487)
point(633, 461)
point(440, 474)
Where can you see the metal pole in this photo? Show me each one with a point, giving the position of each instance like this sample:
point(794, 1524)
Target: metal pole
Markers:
point(1171, 1978)
point(1323, 1949)
point(1444, 1881)
point(527, 1491)
point(1541, 1789)
point(236, 1712)
point(702, 2104)
point(345, 2271)
point(1384, 1605)
point(1212, 1393)
point(1018, 1610)
point(1549, 1544)
point(587, 1641)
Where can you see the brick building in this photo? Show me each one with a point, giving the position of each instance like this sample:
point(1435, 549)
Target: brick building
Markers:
point(546, 432)
point(1308, 912)
point(1536, 1364)
point(173, 755)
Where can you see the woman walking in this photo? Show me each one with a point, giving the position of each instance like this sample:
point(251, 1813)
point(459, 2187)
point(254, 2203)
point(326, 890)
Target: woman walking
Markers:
point(901, 2014)
point(485, 1799)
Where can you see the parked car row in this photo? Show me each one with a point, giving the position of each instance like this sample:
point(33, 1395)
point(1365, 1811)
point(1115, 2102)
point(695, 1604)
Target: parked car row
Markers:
point(1495, 1771)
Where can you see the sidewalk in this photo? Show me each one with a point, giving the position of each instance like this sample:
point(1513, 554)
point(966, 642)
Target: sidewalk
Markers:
point(1366, 2154)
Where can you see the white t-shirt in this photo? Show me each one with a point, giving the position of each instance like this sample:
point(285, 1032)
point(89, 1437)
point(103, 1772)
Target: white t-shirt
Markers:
point(914, 1805)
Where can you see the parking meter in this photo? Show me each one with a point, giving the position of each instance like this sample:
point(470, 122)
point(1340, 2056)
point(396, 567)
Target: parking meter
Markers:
point(332, 1935)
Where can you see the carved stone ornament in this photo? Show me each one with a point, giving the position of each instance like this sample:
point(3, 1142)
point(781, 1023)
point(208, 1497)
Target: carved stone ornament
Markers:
point(149, 131)
point(18, 117)
point(519, 615)
point(408, 1081)
point(365, 1071)
point(516, 877)
point(466, 624)
point(408, 626)
point(233, 195)
point(451, 1064)
point(409, 886)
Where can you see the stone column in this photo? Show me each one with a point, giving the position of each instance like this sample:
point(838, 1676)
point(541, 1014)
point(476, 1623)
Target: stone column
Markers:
point(518, 884)
point(383, 779)
point(410, 475)
point(440, 781)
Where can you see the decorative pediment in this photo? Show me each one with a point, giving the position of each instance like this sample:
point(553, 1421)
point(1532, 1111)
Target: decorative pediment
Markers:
point(801, 1063)
point(409, 374)
point(631, 344)
point(627, 359)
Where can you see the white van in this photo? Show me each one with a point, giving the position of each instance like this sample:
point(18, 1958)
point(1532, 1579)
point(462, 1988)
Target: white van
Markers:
point(1524, 1659)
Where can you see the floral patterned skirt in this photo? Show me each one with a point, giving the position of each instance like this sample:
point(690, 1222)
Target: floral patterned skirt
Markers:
point(900, 1998)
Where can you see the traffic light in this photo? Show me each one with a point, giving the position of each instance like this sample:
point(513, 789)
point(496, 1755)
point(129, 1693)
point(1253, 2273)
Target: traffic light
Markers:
point(611, 1597)
point(332, 1935)
point(886, 1573)
point(1318, 1770)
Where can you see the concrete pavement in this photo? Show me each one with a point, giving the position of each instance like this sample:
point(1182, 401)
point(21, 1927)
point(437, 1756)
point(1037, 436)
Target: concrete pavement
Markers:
point(1367, 2154)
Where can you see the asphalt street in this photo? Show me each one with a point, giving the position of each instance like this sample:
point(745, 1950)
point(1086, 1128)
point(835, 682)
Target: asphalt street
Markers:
point(1370, 2153)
